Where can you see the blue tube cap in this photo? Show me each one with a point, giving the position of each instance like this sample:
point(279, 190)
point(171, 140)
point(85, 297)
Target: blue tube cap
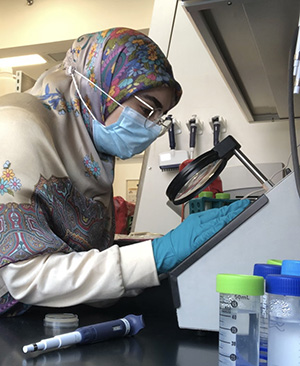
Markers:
point(136, 323)
point(290, 267)
point(283, 285)
point(263, 269)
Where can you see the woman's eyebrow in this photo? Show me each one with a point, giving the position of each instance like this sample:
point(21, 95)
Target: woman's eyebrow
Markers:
point(155, 101)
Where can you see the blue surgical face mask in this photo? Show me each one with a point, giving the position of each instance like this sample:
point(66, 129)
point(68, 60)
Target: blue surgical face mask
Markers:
point(130, 135)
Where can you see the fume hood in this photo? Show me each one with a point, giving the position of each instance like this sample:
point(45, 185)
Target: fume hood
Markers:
point(249, 41)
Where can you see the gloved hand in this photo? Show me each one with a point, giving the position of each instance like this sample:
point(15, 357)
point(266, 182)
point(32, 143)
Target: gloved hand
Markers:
point(195, 230)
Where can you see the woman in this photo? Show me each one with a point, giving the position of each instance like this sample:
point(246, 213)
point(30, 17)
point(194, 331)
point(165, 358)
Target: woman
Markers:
point(58, 144)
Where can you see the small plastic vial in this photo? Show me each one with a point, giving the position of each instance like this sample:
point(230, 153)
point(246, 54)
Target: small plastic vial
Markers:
point(239, 313)
point(222, 196)
point(284, 320)
point(60, 323)
point(207, 203)
point(262, 269)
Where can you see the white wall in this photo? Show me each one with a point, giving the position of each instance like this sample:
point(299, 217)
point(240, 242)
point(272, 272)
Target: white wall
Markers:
point(56, 20)
point(126, 170)
point(205, 94)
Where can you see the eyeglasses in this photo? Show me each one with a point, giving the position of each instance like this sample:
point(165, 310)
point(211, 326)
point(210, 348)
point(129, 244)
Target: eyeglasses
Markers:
point(155, 115)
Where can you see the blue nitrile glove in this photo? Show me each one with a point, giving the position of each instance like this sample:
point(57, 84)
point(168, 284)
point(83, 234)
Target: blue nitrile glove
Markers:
point(178, 244)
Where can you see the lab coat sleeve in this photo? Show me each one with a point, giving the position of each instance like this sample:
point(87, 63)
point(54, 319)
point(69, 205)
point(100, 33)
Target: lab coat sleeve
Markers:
point(60, 279)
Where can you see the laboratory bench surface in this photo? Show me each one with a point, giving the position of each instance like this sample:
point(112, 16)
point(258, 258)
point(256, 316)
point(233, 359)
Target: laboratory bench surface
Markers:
point(160, 343)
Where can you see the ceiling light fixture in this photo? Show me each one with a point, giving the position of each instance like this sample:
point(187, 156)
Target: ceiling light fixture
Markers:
point(22, 60)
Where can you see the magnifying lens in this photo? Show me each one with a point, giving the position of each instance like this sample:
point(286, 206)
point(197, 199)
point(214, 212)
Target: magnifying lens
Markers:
point(203, 170)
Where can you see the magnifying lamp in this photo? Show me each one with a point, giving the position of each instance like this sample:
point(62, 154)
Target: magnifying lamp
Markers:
point(203, 170)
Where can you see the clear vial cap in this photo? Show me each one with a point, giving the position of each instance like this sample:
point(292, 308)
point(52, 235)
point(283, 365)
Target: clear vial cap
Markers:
point(60, 323)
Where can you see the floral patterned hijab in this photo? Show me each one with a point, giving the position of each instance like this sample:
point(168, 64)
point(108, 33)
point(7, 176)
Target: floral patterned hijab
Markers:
point(120, 61)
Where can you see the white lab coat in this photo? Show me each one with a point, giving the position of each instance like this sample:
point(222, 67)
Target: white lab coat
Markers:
point(43, 153)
